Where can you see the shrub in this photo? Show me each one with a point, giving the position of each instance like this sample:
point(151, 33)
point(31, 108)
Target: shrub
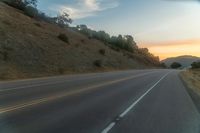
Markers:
point(175, 65)
point(63, 37)
point(195, 65)
point(102, 51)
point(4, 51)
point(115, 48)
point(38, 24)
point(98, 63)
point(130, 55)
point(16, 4)
point(5, 55)
point(61, 70)
point(21, 4)
point(163, 65)
point(82, 40)
point(31, 11)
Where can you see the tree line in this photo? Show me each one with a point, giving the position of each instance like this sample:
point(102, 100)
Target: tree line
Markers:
point(120, 42)
point(123, 42)
point(194, 65)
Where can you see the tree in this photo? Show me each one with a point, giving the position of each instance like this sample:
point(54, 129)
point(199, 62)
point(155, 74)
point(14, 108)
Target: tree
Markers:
point(22, 4)
point(31, 11)
point(63, 20)
point(84, 30)
point(82, 27)
point(29, 2)
point(175, 65)
point(144, 51)
point(102, 35)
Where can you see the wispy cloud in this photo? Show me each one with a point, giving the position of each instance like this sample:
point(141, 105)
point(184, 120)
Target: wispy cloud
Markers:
point(85, 8)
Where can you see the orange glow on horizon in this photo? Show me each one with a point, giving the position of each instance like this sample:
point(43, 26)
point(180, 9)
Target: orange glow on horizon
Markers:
point(175, 48)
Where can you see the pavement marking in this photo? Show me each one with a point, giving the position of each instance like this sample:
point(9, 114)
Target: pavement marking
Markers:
point(54, 97)
point(111, 125)
point(43, 84)
point(37, 85)
point(29, 86)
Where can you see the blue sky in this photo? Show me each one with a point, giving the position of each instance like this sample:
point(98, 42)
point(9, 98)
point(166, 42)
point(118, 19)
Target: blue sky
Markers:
point(151, 22)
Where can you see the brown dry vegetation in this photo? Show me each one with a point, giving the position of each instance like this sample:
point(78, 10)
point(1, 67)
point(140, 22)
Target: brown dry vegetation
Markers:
point(31, 48)
point(192, 78)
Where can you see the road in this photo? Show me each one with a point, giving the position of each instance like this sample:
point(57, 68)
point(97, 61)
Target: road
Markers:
point(135, 101)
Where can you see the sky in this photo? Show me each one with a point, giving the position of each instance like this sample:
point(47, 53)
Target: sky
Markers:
point(168, 28)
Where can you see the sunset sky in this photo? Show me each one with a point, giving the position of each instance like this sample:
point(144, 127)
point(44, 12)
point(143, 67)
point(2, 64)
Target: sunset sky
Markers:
point(167, 27)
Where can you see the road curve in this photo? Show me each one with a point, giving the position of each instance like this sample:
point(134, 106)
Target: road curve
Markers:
point(140, 101)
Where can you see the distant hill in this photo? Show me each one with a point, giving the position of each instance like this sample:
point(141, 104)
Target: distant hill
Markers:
point(32, 48)
point(185, 60)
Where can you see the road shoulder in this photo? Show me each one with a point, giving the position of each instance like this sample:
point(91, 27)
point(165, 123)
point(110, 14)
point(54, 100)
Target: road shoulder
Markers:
point(193, 91)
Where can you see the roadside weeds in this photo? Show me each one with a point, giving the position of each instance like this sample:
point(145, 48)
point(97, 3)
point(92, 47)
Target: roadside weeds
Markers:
point(191, 83)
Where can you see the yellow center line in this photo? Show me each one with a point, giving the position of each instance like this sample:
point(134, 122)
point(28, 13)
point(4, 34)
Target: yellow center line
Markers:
point(58, 96)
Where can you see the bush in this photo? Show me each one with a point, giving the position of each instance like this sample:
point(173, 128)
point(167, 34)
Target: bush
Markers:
point(21, 4)
point(61, 70)
point(115, 48)
point(4, 51)
point(175, 65)
point(5, 55)
point(63, 37)
point(98, 63)
point(102, 51)
point(38, 24)
point(163, 65)
point(16, 4)
point(195, 65)
point(31, 11)
point(82, 40)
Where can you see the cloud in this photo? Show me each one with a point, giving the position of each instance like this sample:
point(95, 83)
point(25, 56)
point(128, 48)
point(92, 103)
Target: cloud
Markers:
point(85, 8)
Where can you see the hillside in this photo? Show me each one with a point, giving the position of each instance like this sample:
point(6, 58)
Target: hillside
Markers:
point(185, 60)
point(31, 48)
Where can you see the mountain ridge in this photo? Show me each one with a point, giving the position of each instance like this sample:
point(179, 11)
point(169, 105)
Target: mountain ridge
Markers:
point(184, 60)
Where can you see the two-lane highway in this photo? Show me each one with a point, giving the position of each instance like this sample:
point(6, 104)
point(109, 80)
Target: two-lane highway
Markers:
point(140, 101)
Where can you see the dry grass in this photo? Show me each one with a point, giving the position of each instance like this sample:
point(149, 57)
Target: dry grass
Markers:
point(37, 51)
point(192, 78)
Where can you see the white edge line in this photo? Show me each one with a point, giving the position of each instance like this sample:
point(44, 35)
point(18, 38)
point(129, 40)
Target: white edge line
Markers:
point(111, 125)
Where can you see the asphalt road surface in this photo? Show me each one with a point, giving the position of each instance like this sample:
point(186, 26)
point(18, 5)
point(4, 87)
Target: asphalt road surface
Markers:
point(137, 101)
